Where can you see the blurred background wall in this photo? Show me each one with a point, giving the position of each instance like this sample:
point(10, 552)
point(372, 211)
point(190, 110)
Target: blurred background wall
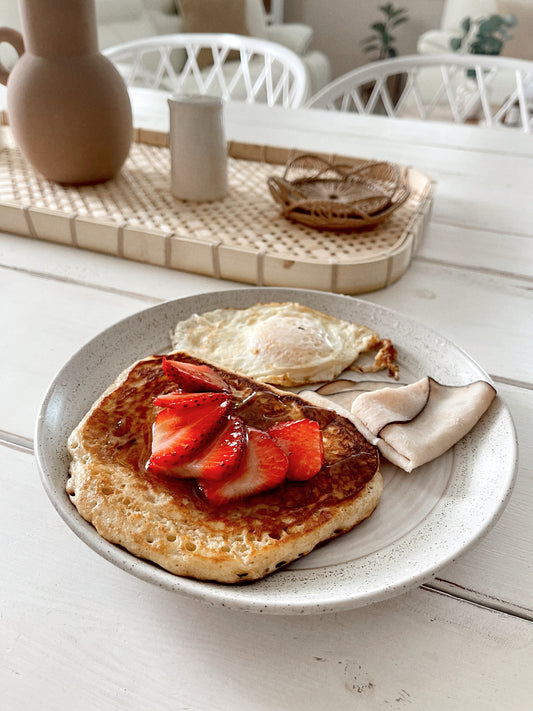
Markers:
point(340, 25)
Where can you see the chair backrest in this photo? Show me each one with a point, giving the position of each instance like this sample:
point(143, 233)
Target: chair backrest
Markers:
point(490, 91)
point(234, 67)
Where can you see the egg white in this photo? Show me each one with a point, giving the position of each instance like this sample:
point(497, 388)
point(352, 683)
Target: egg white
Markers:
point(280, 343)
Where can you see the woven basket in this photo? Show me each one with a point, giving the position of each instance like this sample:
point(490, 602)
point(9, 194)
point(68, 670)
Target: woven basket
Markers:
point(339, 196)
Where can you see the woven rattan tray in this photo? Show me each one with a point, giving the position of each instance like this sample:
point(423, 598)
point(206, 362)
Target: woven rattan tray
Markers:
point(242, 238)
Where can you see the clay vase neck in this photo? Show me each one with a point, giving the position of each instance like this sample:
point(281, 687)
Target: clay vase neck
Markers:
point(68, 106)
point(59, 28)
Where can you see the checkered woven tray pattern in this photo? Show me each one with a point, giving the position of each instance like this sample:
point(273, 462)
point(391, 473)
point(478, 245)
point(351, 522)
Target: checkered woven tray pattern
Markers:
point(242, 238)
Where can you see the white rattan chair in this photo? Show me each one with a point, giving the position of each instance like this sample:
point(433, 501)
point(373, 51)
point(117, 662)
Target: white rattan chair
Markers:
point(490, 91)
point(238, 68)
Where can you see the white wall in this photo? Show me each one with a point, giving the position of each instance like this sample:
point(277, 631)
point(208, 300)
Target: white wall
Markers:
point(340, 25)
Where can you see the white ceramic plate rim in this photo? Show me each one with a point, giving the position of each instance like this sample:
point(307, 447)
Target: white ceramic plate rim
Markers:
point(484, 463)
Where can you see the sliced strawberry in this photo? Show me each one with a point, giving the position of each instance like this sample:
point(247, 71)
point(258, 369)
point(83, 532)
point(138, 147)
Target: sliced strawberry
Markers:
point(301, 440)
point(178, 435)
point(221, 457)
point(264, 466)
point(194, 378)
point(188, 402)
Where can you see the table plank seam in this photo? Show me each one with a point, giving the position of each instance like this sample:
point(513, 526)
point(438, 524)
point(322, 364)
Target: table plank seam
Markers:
point(154, 300)
point(422, 142)
point(521, 384)
point(471, 596)
point(87, 284)
point(23, 444)
point(488, 271)
point(436, 220)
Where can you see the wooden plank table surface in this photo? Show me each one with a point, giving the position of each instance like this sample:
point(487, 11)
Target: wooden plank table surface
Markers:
point(77, 632)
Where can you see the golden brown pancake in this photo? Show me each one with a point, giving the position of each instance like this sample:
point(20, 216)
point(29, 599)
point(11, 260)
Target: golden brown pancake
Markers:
point(166, 520)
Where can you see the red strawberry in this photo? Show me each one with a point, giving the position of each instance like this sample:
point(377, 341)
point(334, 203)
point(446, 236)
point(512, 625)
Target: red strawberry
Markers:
point(178, 435)
point(264, 466)
point(194, 378)
point(301, 440)
point(221, 457)
point(188, 402)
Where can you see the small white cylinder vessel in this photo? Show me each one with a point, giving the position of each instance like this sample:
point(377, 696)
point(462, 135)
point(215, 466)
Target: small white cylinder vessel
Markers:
point(198, 159)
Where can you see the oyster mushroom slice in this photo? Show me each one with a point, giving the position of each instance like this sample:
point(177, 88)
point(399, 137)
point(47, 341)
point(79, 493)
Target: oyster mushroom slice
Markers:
point(314, 398)
point(344, 391)
point(345, 398)
point(381, 407)
point(338, 386)
point(344, 385)
point(419, 422)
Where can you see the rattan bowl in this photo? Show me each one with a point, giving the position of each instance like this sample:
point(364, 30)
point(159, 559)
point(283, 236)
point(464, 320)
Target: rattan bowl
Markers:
point(338, 196)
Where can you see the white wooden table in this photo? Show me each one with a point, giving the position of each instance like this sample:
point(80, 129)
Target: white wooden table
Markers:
point(78, 633)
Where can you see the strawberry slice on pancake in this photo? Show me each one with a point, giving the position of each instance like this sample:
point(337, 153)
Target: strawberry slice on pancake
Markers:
point(194, 378)
point(263, 467)
point(301, 440)
point(221, 457)
point(180, 433)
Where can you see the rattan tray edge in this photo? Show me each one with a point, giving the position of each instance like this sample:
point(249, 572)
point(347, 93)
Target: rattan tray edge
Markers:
point(252, 263)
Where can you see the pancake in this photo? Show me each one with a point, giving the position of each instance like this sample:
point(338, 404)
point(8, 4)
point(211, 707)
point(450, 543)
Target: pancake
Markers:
point(167, 521)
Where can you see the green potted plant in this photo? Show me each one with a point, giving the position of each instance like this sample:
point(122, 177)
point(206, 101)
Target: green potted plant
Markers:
point(382, 43)
point(484, 35)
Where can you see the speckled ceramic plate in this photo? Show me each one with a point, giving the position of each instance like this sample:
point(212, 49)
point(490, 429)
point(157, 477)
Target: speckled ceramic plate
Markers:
point(425, 519)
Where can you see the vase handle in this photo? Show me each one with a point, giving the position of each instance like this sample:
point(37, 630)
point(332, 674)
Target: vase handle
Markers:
point(14, 38)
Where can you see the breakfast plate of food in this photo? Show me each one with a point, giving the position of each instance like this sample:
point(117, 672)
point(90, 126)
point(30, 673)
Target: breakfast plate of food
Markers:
point(276, 450)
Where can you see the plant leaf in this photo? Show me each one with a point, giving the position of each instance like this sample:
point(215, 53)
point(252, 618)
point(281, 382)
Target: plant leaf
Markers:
point(399, 21)
point(466, 25)
point(489, 45)
point(493, 45)
point(487, 27)
point(387, 9)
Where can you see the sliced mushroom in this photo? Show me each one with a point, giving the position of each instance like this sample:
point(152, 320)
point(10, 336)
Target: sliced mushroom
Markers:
point(337, 386)
point(344, 392)
point(381, 407)
point(343, 384)
point(420, 422)
point(314, 398)
point(345, 398)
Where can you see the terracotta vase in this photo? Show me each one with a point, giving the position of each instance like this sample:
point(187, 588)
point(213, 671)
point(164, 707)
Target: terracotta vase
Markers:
point(68, 106)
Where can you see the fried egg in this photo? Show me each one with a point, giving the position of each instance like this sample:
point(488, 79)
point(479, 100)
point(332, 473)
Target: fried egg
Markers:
point(279, 343)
